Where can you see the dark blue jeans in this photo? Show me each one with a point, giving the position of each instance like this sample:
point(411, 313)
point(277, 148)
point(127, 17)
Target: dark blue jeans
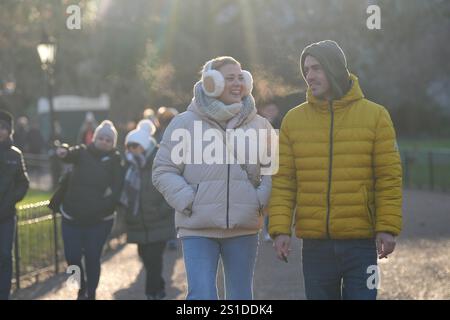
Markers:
point(7, 229)
point(338, 269)
point(87, 242)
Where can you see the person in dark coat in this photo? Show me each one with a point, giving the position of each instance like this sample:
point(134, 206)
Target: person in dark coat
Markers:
point(89, 204)
point(164, 117)
point(13, 187)
point(149, 219)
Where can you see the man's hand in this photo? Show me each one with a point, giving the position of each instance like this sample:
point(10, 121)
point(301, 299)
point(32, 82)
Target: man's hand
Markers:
point(385, 244)
point(282, 243)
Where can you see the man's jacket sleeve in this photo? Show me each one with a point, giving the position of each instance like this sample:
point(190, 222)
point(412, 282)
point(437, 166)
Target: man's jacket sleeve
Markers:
point(388, 177)
point(284, 187)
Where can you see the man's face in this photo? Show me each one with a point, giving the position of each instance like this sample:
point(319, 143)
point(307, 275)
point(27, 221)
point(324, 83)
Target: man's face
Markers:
point(4, 131)
point(316, 78)
point(272, 111)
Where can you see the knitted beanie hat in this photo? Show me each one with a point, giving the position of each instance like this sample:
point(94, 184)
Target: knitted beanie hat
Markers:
point(142, 135)
point(106, 128)
point(333, 61)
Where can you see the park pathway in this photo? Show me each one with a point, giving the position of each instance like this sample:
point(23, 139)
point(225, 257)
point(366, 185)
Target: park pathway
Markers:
point(419, 269)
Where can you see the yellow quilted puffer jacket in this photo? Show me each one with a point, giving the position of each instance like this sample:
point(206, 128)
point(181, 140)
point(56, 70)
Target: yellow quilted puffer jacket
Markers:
point(340, 172)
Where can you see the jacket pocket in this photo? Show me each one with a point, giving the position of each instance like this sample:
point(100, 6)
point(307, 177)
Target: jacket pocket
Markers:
point(249, 185)
point(260, 206)
point(369, 211)
point(194, 187)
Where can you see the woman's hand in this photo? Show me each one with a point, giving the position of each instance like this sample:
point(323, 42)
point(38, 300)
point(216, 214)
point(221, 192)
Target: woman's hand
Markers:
point(188, 210)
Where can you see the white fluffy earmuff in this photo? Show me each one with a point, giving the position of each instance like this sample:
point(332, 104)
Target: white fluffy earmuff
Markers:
point(248, 82)
point(213, 81)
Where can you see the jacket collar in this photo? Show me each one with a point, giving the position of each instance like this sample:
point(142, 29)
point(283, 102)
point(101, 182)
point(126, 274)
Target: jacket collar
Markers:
point(355, 93)
point(6, 145)
point(231, 124)
point(99, 153)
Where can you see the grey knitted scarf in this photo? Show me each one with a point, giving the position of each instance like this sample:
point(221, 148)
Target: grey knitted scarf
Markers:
point(235, 113)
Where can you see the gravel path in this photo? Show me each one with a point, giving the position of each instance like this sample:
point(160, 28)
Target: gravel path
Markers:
point(419, 269)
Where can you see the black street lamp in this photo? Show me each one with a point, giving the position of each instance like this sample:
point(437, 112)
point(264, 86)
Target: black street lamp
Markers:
point(47, 52)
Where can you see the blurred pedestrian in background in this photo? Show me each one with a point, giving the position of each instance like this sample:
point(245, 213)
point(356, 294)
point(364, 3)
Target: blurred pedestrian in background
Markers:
point(93, 192)
point(86, 134)
point(13, 187)
point(149, 219)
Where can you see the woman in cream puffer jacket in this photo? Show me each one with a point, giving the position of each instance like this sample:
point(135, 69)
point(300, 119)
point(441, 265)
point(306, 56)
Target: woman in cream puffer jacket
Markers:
point(219, 204)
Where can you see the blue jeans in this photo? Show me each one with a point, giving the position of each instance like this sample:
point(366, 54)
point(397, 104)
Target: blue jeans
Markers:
point(201, 258)
point(7, 231)
point(87, 242)
point(338, 269)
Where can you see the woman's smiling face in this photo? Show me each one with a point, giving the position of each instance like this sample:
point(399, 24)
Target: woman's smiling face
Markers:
point(234, 83)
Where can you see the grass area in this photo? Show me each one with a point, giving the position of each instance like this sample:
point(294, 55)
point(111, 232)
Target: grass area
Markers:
point(36, 237)
point(426, 169)
point(36, 245)
point(34, 196)
point(421, 144)
point(416, 170)
point(420, 177)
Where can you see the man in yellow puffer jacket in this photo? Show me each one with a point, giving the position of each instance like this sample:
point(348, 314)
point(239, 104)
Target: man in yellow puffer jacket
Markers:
point(340, 172)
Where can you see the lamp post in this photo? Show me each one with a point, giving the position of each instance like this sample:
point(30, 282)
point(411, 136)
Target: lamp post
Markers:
point(47, 51)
